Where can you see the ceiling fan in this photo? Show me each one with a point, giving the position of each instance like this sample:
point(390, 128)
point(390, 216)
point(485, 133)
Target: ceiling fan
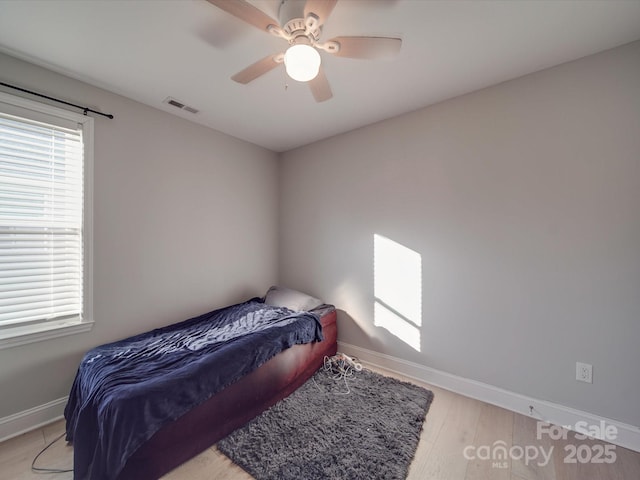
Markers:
point(301, 26)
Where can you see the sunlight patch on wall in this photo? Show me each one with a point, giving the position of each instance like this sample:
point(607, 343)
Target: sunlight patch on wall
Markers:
point(397, 279)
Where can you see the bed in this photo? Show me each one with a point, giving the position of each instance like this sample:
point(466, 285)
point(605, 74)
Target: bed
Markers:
point(142, 406)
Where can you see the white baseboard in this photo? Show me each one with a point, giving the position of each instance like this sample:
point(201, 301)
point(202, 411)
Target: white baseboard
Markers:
point(626, 435)
point(30, 419)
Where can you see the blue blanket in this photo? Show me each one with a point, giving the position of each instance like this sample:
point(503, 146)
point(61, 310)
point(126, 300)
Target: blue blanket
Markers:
point(126, 391)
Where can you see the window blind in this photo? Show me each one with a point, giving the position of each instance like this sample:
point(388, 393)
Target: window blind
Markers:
point(41, 221)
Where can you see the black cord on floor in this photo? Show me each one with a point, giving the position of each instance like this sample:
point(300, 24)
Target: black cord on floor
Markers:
point(47, 470)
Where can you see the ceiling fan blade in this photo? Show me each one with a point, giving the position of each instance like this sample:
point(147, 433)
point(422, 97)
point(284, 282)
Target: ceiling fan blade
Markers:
point(320, 8)
point(246, 12)
point(257, 69)
point(320, 87)
point(367, 47)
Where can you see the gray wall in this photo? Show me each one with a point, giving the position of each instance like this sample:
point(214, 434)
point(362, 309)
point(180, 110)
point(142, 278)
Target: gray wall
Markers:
point(523, 202)
point(521, 199)
point(174, 236)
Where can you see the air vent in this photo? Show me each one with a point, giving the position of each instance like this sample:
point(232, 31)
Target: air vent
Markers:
point(175, 103)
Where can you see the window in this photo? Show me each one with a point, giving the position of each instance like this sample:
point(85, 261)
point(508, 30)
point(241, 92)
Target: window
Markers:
point(45, 221)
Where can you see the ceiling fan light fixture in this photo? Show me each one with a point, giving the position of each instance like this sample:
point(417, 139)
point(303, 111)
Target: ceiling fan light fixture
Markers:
point(302, 62)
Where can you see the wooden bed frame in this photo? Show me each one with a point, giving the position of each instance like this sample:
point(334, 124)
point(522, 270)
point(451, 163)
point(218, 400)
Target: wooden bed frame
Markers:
point(234, 406)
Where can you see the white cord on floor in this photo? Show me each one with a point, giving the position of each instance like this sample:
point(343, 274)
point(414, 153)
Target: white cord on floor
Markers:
point(340, 367)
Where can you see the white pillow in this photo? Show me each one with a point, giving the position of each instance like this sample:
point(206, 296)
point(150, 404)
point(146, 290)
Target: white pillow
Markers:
point(291, 299)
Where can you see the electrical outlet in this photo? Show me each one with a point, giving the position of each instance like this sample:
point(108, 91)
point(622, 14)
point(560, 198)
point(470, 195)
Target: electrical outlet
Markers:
point(584, 372)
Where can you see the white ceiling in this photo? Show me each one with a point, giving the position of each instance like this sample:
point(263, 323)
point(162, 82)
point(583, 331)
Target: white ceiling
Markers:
point(187, 49)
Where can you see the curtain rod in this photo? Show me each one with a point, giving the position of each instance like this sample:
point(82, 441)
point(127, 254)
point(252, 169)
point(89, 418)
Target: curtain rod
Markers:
point(84, 109)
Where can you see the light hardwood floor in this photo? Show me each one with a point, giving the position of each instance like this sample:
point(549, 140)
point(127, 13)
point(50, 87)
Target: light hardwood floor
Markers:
point(454, 425)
